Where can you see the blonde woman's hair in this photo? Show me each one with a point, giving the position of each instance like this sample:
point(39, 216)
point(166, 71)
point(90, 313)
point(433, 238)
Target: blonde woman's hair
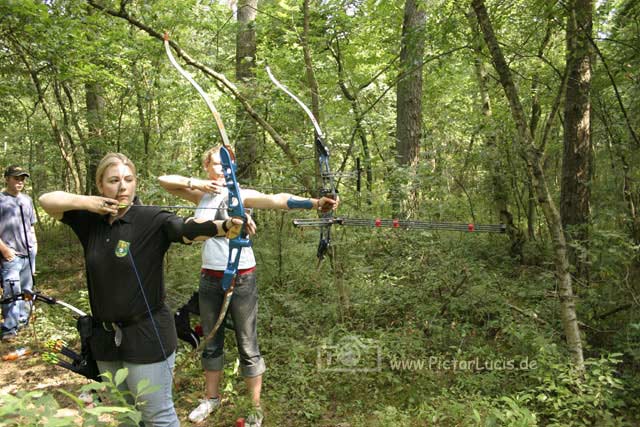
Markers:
point(206, 157)
point(111, 159)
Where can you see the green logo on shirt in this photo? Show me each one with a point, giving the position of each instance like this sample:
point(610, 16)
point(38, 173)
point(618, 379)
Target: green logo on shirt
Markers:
point(122, 249)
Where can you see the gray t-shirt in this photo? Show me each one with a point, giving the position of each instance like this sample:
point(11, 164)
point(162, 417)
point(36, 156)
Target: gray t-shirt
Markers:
point(11, 229)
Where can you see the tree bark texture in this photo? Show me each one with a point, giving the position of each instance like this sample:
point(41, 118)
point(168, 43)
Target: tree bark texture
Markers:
point(535, 169)
point(494, 157)
point(94, 147)
point(577, 160)
point(409, 90)
point(246, 127)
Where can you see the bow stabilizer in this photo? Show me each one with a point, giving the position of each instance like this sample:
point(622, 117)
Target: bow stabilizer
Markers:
point(405, 224)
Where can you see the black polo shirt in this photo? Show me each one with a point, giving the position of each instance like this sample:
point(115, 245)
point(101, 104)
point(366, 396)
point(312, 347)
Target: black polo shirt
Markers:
point(118, 257)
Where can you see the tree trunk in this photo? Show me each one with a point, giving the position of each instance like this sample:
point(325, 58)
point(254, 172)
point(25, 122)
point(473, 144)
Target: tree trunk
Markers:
point(576, 160)
point(94, 146)
point(247, 129)
point(67, 154)
point(359, 130)
point(310, 76)
point(494, 157)
point(409, 90)
point(535, 169)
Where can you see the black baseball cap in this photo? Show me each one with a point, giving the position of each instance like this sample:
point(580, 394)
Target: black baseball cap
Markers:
point(15, 170)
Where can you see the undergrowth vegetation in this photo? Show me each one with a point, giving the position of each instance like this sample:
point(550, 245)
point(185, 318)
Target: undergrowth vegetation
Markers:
point(398, 328)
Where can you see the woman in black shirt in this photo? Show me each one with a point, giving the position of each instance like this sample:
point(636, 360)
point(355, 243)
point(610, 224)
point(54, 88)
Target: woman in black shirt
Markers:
point(124, 244)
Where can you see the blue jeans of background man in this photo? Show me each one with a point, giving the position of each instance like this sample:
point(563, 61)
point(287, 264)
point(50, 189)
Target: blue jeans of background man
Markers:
point(16, 278)
point(157, 408)
point(244, 312)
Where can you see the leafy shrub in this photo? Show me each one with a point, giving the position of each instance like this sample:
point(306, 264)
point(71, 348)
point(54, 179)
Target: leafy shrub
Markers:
point(38, 408)
point(565, 397)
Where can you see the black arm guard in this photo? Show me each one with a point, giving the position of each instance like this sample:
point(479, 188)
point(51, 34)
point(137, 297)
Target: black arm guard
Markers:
point(189, 229)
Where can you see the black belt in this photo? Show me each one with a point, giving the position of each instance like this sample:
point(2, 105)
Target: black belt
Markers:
point(137, 318)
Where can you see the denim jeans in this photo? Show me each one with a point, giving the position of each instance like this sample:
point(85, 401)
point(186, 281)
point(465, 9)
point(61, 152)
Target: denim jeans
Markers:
point(157, 407)
point(16, 278)
point(243, 310)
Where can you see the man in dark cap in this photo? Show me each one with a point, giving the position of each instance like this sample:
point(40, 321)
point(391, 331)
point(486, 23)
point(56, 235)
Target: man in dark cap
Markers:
point(18, 247)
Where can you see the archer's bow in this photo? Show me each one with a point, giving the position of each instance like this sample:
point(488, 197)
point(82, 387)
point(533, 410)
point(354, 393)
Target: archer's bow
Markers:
point(327, 186)
point(38, 296)
point(236, 210)
point(235, 206)
point(83, 364)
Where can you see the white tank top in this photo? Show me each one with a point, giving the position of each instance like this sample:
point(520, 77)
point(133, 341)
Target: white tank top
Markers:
point(215, 251)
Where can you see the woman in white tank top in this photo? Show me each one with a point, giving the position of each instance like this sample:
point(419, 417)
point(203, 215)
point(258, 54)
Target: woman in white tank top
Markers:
point(212, 193)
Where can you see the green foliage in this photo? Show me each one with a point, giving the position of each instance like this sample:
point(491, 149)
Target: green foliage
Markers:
point(40, 408)
point(33, 408)
point(565, 397)
point(414, 295)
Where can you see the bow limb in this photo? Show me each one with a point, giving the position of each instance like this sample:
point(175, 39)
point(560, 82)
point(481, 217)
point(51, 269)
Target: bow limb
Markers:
point(295, 98)
point(203, 94)
point(83, 364)
point(235, 206)
point(37, 296)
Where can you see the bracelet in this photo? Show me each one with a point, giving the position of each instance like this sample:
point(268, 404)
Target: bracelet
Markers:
point(225, 227)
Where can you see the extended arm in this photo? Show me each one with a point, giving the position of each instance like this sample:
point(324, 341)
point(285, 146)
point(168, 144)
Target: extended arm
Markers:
point(57, 203)
point(258, 200)
point(191, 189)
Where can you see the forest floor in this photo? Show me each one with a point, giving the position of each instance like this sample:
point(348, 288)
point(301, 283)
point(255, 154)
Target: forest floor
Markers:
point(30, 373)
point(438, 297)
